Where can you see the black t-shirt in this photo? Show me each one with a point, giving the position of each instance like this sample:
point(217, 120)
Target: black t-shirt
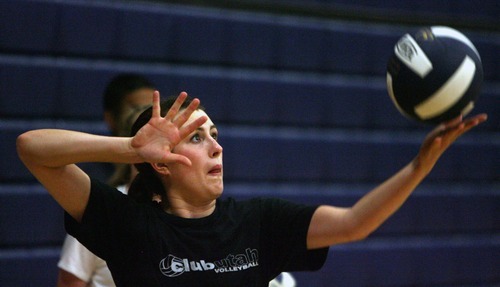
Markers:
point(245, 243)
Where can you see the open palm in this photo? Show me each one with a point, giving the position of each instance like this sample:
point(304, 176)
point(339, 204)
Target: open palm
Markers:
point(156, 139)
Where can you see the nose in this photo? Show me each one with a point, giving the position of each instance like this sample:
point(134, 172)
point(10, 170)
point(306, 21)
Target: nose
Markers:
point(216, 148)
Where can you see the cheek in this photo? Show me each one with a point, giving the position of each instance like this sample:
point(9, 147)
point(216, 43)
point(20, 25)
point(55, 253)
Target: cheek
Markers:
point(192, 154)
point(181, 149)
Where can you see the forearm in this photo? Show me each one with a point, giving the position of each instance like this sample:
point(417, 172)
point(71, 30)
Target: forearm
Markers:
point(378, 205)
point(374, 208)
point(56, 148)
point(333, 225)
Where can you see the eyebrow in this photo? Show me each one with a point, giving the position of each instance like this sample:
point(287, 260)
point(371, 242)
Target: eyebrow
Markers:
point(211, 128)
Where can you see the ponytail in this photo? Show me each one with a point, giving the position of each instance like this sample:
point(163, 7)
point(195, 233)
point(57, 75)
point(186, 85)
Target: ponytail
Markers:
point(146, 186)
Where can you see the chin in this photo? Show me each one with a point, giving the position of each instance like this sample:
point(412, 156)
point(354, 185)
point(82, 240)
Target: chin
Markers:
point(218, 192)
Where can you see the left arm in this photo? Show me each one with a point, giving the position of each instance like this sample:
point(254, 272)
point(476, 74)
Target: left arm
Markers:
point(333, 225)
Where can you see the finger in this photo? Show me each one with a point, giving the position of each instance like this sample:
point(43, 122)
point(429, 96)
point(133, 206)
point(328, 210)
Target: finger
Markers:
point(445, 128)
point(475, 120)
point(186, 130)
point(172, 112)
point(186, 113)
point(177, 158)
point(453, 122)
point(156, 105)
point(454, 133)
point(472, 122)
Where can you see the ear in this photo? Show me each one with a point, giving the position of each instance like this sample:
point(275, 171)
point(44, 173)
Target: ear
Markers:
point(161, 168)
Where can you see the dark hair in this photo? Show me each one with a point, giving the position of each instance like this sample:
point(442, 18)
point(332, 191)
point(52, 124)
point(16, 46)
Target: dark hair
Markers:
point(119, 87)
point(146, 185)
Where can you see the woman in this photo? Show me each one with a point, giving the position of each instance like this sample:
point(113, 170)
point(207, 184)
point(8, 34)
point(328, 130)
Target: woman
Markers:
point(192, 238)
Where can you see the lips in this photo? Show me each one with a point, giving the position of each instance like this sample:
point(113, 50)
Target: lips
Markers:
point(217, 169)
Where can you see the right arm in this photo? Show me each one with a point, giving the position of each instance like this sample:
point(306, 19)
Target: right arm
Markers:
point(51, 155)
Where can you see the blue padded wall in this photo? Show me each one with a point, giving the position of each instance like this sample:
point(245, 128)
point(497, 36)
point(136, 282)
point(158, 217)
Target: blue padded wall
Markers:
point(302, 110)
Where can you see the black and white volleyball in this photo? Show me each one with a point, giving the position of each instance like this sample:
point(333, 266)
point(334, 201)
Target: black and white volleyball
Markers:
point(434, 75)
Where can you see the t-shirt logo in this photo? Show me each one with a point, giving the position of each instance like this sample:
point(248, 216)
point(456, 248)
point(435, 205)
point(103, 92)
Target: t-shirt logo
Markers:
point(173, 266)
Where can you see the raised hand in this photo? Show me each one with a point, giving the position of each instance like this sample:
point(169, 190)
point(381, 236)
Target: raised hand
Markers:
point(439, 139)
point(156, 139)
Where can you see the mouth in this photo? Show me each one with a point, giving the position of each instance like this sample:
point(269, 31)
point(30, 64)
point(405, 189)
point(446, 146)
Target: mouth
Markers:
point(215, 170)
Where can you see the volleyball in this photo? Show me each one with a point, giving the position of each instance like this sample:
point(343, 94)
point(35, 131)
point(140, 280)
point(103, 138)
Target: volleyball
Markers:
point(434, 75)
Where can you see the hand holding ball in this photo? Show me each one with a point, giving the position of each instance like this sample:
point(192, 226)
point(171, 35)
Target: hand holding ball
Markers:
point(434, 75)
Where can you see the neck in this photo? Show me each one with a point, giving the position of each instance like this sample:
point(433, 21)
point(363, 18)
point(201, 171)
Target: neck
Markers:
point(184, 209)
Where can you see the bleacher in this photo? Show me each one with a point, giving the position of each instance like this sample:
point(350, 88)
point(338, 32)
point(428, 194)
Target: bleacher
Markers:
point(302, 110)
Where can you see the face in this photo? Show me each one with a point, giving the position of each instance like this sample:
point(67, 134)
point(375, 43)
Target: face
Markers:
point(139, 97)
point(133, 104)
point(202, 181)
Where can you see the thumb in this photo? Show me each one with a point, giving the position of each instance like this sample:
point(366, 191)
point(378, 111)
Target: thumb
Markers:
point(177, 158)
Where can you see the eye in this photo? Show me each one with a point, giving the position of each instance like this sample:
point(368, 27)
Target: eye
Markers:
point(214, 135)
point(196, 138)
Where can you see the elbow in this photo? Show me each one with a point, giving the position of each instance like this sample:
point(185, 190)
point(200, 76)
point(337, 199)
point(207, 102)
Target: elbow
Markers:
point(24, 146)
